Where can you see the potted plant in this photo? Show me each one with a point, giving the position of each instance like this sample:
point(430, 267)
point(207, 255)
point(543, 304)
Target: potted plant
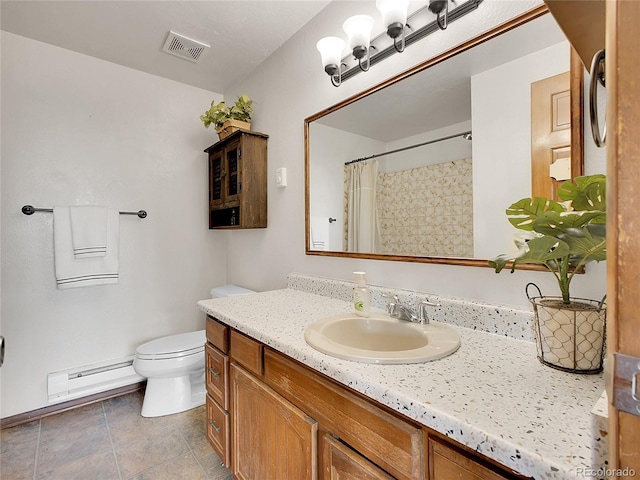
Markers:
point(564, 237)
point(227, 119)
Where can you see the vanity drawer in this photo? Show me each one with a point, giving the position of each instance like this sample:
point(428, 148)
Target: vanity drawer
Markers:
point(247, 352)
point(218, 429)
point(217, 334)
point(388, 441)
point(342, 462)
point(217, 375)
point(446, 462)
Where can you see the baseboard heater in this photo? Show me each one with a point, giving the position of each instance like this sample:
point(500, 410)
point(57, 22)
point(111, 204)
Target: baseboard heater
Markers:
point(86, 380)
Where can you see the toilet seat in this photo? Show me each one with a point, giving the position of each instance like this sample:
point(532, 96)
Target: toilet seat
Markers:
point(174, 346)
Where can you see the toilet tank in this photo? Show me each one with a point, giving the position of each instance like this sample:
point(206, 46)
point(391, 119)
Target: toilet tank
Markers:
point(229, 291)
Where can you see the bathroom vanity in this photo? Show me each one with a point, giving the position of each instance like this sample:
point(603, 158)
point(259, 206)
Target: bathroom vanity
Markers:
point(488, 411)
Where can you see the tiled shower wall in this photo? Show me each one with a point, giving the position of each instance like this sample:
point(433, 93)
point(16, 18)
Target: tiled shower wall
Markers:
point(427, 210)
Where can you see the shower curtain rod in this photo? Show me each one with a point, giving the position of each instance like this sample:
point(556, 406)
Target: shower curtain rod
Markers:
point(463, 134)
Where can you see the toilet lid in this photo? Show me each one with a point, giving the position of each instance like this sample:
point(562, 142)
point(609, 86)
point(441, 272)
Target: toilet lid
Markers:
point(173, 346)
point(229, 290)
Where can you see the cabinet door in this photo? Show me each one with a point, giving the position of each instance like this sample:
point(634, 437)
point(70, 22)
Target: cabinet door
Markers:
point(447, 463)
point(232, 168)
point(272, 439)
point(342, 463)
point(216, 179)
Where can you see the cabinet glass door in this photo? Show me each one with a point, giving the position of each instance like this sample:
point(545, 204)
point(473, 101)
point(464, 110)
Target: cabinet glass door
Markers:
point(233, 172)
point(216, 175)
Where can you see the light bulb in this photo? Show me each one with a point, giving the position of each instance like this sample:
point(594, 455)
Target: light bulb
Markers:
point(358, 29)
point(330, 49)
point(394, 15)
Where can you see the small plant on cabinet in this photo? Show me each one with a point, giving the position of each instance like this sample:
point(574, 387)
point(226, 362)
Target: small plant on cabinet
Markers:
point(220, 113)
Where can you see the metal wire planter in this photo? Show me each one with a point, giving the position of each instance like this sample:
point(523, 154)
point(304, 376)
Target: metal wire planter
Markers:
point(570, 337)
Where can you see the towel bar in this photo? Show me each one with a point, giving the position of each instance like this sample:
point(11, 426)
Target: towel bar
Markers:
point(30, 210)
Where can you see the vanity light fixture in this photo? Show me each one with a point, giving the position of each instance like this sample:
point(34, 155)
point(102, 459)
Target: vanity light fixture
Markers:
point(394, 14)
point(330, 49)
point(358, 29)
point(394, 17)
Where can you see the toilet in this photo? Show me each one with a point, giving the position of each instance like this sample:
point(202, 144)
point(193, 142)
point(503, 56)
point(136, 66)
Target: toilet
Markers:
point(174, 367)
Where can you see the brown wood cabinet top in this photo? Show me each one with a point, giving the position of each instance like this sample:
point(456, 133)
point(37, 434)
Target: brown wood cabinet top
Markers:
point(234, 135)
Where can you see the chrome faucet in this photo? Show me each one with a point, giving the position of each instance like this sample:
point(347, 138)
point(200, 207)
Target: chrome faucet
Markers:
point(402, 312)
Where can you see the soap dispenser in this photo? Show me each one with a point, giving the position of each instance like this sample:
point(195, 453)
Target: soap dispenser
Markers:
point(361, 295)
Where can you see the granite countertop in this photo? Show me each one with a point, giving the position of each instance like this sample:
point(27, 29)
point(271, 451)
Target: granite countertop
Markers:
point(492, 395)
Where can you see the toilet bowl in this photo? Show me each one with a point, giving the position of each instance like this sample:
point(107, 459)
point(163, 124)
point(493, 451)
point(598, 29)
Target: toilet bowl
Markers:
point(174, 367)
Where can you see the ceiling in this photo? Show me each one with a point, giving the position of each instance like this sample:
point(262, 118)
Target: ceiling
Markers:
point(241, 33)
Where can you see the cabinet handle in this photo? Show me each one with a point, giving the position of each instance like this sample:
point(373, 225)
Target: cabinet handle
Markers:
point(215, 427)
point(214, 372)
point(597, 76)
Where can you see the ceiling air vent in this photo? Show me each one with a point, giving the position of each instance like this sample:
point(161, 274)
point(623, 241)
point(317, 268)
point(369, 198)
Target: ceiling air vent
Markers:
point(184, 47)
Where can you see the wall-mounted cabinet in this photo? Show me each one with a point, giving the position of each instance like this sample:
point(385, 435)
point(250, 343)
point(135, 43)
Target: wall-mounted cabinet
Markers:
point(238, 181)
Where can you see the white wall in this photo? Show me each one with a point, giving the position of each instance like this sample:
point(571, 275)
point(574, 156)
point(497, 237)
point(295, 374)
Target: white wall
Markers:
point(501, 116)
point(293, 77)
point(77, 130)
point(439, 152)
point(332, 148)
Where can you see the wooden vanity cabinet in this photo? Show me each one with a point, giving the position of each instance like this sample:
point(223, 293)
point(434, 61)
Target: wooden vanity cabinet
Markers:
point(271, 437)
point(383, 438)
point(238, 181)
point(275, 418)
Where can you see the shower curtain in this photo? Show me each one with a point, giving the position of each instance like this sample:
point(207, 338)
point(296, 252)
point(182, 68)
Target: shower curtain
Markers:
point(363, 231)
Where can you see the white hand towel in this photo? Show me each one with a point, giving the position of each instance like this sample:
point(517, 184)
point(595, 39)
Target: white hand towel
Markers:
point(89, 231)
point(82, 272)
point(319, 233)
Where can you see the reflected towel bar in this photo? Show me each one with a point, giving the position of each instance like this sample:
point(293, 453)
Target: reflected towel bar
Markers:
point(29, 210)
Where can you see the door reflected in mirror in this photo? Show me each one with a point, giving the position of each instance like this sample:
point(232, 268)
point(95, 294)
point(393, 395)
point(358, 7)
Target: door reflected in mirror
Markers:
point(423, 169)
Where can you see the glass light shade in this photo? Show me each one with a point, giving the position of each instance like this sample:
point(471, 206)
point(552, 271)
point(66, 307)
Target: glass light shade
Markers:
point(358, 29)
point(330, 49)
point(393, 11)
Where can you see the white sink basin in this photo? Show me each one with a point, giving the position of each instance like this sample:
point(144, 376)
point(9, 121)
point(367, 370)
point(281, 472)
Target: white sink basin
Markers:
point(381, 339)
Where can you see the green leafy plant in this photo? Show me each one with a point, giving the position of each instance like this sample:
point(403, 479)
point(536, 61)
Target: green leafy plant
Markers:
point(561, 236)
point(221, 112)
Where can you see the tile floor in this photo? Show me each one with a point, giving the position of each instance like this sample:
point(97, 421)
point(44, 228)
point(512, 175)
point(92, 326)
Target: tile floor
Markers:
point(110, 440)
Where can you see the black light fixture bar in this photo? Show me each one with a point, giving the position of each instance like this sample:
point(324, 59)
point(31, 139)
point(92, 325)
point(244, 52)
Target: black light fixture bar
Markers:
point(458, 12)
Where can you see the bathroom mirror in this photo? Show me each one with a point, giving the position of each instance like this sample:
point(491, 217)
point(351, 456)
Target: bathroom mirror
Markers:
point(449, 145)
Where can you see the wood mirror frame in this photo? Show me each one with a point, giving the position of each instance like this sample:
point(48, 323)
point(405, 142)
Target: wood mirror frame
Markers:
point(577, 136)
